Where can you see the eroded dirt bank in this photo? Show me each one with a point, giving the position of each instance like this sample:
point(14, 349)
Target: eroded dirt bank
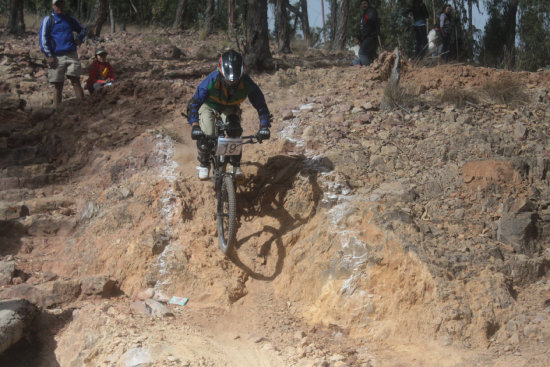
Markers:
point(416, 237)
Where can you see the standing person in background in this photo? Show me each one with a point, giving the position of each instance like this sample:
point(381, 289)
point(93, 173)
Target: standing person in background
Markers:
point(420, 17)
point(59, 46)
point(368, 33)
point(445, 24)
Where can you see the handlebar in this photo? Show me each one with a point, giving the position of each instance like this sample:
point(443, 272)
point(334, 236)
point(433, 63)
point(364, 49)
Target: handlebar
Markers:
point(248, 139)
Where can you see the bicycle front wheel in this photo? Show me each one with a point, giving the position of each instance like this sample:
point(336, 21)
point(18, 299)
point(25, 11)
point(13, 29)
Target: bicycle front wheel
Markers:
point(227, 214)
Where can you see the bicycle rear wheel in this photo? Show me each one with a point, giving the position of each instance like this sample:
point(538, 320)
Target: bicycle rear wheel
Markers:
point(227, 214)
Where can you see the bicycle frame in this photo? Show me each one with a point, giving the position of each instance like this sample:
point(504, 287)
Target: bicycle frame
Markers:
point(224, 186)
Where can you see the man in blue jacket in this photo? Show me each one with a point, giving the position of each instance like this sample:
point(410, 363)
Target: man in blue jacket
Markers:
point(59, 46)
point(221, 93)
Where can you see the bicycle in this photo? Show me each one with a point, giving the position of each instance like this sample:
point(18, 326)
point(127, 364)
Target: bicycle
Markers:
point(221, 148)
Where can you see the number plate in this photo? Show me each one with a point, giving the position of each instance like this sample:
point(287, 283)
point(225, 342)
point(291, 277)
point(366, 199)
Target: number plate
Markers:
point(229, 146)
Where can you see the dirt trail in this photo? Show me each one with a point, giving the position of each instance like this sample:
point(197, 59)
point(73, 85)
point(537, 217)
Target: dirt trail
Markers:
point(366, 238)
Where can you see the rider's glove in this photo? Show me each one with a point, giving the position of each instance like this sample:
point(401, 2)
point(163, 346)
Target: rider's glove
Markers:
point(264, 133)
point(196, 133)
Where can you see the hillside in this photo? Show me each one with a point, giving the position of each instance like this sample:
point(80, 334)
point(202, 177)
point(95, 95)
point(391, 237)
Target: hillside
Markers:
point(417, 236)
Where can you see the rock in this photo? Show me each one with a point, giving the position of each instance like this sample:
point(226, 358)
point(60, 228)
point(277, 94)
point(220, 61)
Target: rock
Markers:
point(48, 294)
point(521, 231)
point(8, 212)
point(287, 115)
point(15, 317)
point(520, 131)
point(145, 294)
point(157, 309)
point(98, 285)
point(138, 357)
point(7, 270)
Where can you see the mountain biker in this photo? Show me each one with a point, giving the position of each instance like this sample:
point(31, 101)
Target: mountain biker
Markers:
point(221, 93)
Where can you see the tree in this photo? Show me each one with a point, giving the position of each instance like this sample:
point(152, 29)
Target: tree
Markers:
point(332, 20)
point(180, 15)
point(97, 18)
point(305, 22)
point(16, 23)
point(257, 54)
point(231, 17)
point(534, 35)
point(300, 12)
point(282, 26)
point(340, 35)
point(209, 17)
point(498, 44)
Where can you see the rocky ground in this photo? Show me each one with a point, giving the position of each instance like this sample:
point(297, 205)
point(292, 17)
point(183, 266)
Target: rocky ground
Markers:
point(411, 236)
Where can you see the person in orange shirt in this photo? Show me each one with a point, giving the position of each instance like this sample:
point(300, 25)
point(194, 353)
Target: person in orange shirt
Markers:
point(100, 73)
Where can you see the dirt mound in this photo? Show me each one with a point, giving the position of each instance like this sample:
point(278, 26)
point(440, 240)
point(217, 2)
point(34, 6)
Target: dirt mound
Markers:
point(365, 237)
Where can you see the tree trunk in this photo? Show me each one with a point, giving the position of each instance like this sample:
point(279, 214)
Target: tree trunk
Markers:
point(470, 20)
point(80, 9)
point(209, 17)
point(16, 24)
point(257, 54)
point(333, 19)
point(112, 18)
point(510, 15)
point(305, 22)
point(179, 22)
point(98, 18)
point(282, 27)
point(341, 26)
point(231, 17)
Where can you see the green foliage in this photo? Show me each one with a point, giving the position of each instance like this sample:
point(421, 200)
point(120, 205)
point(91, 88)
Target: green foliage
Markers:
point(525, 45)
point(534, 34)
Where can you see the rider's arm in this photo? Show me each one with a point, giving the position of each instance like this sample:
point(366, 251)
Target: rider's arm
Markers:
point(199, 97)
point(257, 99)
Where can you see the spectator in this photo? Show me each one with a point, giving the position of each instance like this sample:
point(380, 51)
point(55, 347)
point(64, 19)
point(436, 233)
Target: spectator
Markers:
point(445, 24)
point(434, 43)
point(59, 46)
point(100, 72)
point(368, 33)
point(355, 49)
point(420, 17)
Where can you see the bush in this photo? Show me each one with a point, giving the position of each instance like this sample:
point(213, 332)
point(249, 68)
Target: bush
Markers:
point(506, 91)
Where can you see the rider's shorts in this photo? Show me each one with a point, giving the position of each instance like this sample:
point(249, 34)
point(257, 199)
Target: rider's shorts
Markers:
point(67, 65)
point(207, 117)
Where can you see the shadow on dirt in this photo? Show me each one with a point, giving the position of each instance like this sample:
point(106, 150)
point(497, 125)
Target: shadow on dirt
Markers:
point(267, 194)
point(11, 233)
point(37, 348)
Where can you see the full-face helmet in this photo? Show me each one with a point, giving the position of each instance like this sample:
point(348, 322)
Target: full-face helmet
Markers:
point(231, 67)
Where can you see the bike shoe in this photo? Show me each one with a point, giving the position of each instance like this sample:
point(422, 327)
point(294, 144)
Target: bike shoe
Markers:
point(203, 172)
point(239, 175)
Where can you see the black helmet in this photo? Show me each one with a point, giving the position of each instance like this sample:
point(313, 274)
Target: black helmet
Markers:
point(231, 67)
point(100, 51)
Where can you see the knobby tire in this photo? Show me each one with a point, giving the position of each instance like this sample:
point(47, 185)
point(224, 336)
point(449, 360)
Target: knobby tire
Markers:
point(227, 214)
